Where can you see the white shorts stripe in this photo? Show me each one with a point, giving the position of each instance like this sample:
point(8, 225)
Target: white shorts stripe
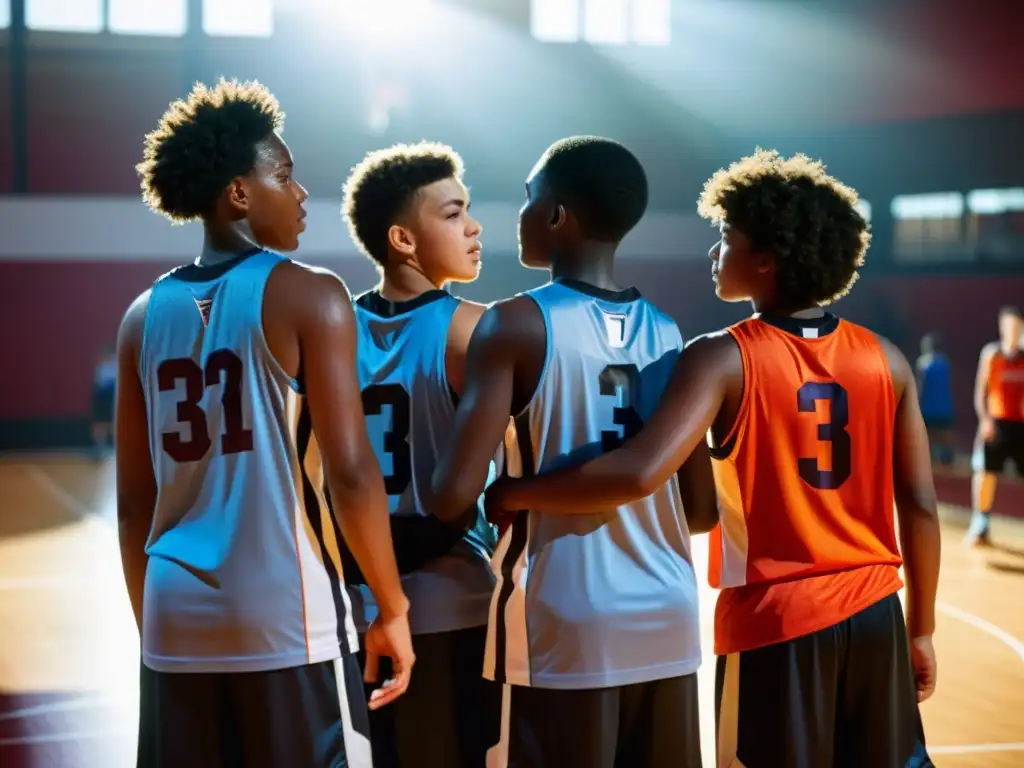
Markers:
point(357, 747)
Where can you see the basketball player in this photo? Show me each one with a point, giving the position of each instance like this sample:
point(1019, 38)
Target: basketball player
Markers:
point(999, 403)
point(594, 622)
point(237, 394)
point(936, 396)
point(408, 210)
point(815, 427)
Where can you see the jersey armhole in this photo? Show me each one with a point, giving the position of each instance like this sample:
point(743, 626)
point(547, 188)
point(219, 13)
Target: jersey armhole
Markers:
point(548, 354)
point(294, 382)
point(728, 445)
point(453, 396)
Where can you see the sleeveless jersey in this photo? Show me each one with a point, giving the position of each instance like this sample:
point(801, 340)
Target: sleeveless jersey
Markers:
point(607, 599)
point(805, 486)
point(244, 571)
point(410, 411)
point(1006, 387)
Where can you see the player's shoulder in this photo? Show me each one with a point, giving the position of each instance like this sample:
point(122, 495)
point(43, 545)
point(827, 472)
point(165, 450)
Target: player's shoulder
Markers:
point(511, 322)
point(714, 348)
point(990, 350)
point(307, 292)
point(133, 322)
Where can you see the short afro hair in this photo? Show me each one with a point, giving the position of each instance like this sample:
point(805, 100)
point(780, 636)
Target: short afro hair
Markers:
point(382, 184)
point(601, 181)
point(807, 219)
point(202, 143)
point(1010, 311)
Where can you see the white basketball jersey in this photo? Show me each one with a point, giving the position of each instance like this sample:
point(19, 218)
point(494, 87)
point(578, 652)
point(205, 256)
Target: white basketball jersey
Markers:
point(243, 572)
point(607, 599)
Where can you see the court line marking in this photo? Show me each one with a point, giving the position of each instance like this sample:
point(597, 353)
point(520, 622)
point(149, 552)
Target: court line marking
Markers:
point(979, 623)
point(65, 705)
point(43, 478)
point(51, 738)
point(1010, 746)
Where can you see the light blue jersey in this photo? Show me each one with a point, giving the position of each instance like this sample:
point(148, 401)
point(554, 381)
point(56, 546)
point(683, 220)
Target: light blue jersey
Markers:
point(244, 571)
point(410, 410)
point(608, 599)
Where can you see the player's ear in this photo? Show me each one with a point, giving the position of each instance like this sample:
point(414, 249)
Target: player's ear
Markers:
point(558, 217)
point(765, 262)
point(237, 197)
point(401, 240)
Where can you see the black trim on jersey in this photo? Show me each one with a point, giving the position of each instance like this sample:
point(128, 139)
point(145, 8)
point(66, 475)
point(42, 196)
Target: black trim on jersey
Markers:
point(373, 302)
point(311, 505)
point(202, 273)
point(516, 545)
point(724, 451)
point(795, 325)
point(624, 296)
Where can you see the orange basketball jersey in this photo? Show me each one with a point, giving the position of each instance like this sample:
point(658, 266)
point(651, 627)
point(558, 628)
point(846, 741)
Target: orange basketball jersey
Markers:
point(1006, 387)
point(805, 485)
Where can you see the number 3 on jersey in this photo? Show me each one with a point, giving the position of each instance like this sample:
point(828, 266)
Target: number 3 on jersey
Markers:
point(623, 382)
point(832, 432)
point(395, 441)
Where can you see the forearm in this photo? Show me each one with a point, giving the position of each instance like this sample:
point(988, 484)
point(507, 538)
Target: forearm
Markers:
point(132, 535)
point(920, 541)
point(418, 541)
point(594, 486)
point(981, 404)
point(361, 510)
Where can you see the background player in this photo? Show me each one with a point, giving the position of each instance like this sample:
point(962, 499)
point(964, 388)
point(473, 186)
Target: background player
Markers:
point(999, 403)
point(237, 394)
point(936, 395)
point(594, 621)
point(408, 210)
point(103, 391)
point(813, 667)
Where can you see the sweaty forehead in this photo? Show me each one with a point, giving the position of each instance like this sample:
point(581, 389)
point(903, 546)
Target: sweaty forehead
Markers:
point(272, 153)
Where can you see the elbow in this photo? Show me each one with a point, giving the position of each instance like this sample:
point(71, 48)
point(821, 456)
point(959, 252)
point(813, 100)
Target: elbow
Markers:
point(644, 481)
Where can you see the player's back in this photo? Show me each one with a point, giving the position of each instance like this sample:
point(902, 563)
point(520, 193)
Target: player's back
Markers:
point(410, 413)
point(242, 572)
point(607, 599)
point(805, 482)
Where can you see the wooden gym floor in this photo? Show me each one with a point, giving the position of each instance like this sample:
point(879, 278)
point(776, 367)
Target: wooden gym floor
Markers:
point(69, 650)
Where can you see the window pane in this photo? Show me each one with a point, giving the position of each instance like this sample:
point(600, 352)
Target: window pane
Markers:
point(147, 17)
point(940, 205)
point(238, 18)
point(652, 22)
point(555, 21)
point(995, 200)
point(5, 14)
point(606, 22)
point(64, 15)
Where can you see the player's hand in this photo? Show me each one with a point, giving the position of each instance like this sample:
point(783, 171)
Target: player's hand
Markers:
point(986, 429)
point(494, 504)
point(393, 639)
point(922, 659)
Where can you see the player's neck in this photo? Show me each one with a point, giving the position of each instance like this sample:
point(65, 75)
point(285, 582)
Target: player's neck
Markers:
point(223, 243)
point(780, 309)
point(1009, 349)
point(593, 263)
point(402, 283)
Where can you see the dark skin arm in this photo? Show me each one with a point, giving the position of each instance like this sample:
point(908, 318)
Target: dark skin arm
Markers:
point(421, 539)
point(915, 498)
point(310, 325)
point(704, 390)
point(136, 483)
point(506, 356)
